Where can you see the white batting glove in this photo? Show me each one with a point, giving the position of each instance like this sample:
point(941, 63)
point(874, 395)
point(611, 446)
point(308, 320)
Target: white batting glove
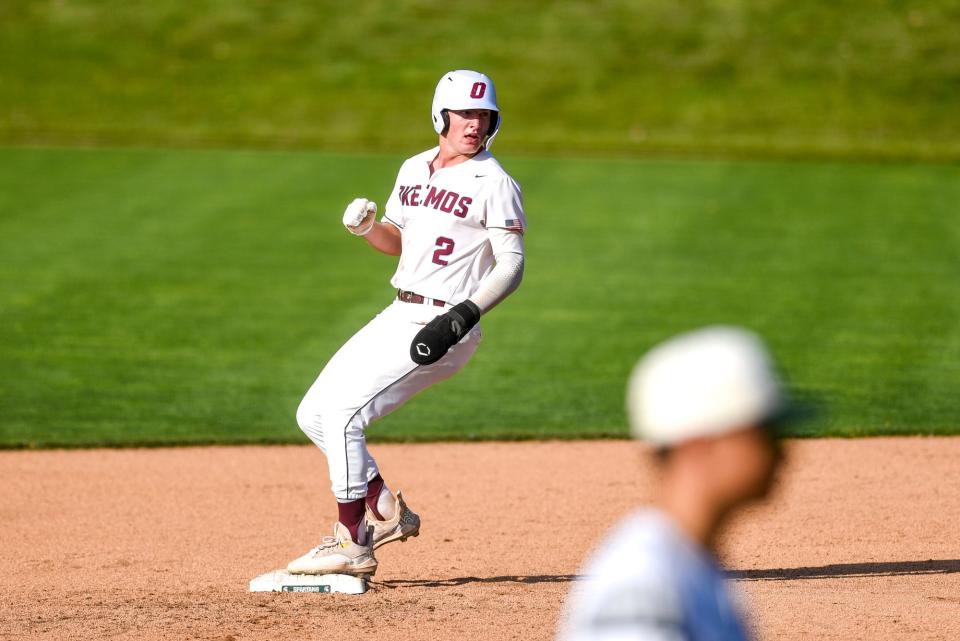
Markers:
point(360, 216)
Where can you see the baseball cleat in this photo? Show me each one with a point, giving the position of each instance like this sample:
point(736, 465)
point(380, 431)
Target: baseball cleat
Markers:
point(338, 554)
point(404, 524)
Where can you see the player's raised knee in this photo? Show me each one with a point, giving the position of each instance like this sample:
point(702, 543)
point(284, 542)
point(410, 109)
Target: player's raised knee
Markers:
point(308, 417)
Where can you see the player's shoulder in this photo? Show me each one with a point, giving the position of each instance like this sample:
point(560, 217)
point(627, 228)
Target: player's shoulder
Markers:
point(486, 168)
point(425, 155)
point(626, 588)
point(485, 162)
point(642, 542)
point(419, 160)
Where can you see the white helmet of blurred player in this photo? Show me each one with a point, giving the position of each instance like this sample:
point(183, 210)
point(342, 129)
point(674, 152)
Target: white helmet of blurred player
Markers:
point(703, 383)
point(464, 89)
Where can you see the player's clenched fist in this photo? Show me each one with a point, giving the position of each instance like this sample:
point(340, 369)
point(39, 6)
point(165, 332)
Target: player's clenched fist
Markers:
point(359, 216)
point(443, 332)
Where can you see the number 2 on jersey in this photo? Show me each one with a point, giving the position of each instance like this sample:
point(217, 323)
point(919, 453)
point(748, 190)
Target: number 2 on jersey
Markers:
point(444, 248)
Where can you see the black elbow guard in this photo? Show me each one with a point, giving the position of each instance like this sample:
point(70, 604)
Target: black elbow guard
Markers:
point(443, 332)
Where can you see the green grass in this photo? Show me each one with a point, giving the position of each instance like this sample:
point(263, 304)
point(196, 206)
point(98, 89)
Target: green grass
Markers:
point(762, 78)
point(151, 297)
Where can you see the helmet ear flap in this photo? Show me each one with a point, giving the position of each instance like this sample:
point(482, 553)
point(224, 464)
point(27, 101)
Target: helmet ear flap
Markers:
point(446, 121)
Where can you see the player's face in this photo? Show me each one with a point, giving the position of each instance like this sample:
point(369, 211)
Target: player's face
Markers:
point(468, 127)
point(746, 461)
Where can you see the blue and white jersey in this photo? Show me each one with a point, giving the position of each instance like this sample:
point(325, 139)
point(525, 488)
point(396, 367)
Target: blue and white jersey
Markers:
point(648, 581)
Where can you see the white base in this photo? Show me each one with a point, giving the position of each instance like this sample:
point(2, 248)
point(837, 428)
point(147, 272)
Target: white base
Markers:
point(283, 581)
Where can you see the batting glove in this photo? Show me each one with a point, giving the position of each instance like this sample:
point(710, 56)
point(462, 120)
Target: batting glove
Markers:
point(359, 216)
point(443, 332)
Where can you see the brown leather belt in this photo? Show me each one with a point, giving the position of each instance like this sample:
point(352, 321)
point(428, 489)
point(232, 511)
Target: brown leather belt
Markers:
point(410, 297)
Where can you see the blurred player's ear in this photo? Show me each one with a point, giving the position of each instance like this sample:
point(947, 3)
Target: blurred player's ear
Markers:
point(662, 455)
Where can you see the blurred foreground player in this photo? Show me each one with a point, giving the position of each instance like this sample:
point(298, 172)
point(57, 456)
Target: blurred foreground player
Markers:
point(708, 402)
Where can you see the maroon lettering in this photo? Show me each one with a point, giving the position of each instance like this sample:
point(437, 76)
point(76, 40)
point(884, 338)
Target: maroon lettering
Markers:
point(478, 89)
point(445, 249)
point(440, 199)
point(434, 197)
point(463, 207)
point(449, 201)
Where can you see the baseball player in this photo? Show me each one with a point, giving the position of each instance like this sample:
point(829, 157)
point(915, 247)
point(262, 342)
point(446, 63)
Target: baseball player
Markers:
point(708, 401)
point(455, 218)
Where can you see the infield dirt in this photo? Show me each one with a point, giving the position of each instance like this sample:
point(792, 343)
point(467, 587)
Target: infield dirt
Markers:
point(860, 541)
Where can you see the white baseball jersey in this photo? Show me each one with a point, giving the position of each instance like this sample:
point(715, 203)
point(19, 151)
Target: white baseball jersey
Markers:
point(444, 217)
point(446, 252)
point(650, 582)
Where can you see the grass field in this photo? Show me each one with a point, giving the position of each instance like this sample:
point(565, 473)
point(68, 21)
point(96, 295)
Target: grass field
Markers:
point(180, 297)
point(761, 78)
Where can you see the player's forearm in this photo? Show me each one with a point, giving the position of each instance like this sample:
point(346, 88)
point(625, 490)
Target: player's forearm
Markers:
point(505, 277)
point(446, 330)
point(502, 281)
point(385, 238)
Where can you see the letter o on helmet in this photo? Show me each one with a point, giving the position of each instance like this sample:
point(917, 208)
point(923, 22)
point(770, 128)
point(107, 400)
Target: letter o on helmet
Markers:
point(465, 89)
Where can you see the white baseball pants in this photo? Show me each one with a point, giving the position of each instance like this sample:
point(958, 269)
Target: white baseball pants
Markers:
point(369, 377)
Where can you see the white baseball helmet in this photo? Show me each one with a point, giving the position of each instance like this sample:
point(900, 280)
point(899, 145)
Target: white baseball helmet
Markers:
point(465, 89)
point(703, 383)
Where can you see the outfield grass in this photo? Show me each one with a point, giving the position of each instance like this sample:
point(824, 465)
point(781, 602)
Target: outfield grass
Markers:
point(760, 78)
point(154, 297)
